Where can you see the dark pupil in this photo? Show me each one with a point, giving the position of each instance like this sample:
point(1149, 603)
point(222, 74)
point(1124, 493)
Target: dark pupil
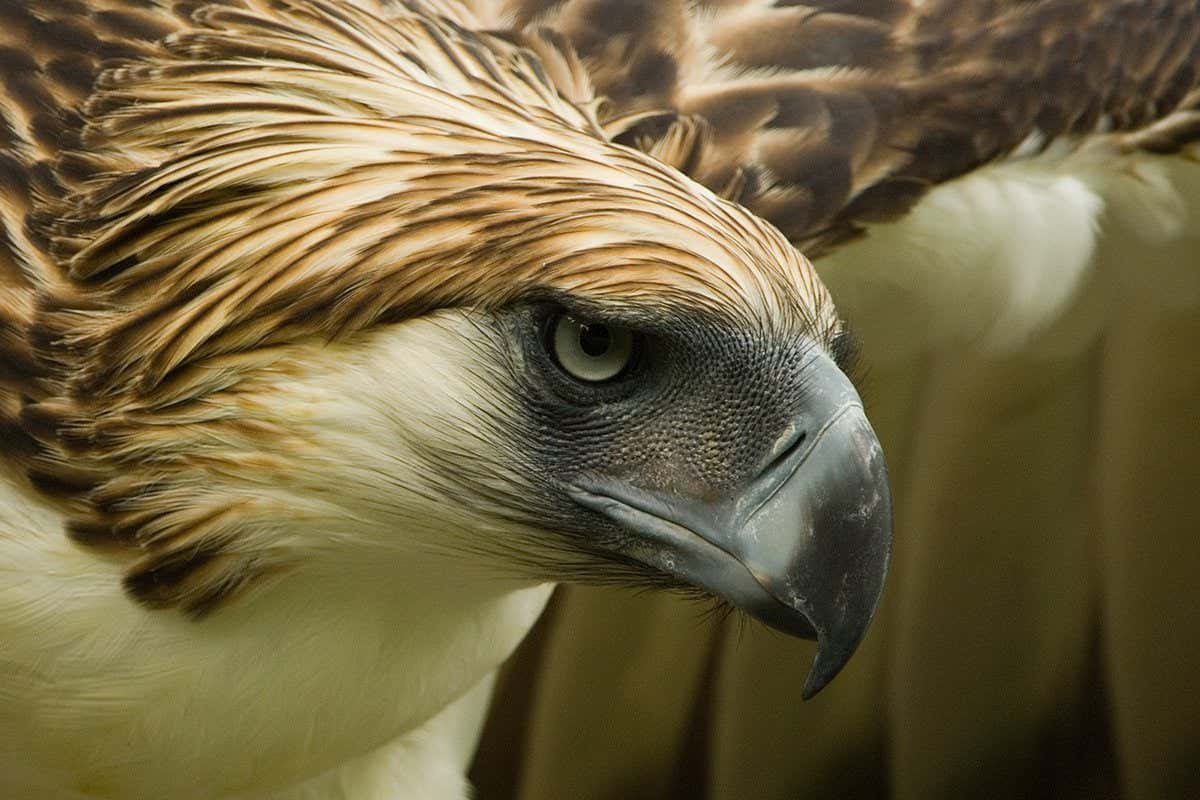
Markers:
point(595, 340)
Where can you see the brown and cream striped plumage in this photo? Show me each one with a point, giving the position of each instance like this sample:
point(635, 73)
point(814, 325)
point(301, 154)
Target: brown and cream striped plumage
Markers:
point(824, 116)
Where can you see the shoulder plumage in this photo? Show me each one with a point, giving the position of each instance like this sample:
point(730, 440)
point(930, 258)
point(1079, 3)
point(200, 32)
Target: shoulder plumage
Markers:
point(827, 115)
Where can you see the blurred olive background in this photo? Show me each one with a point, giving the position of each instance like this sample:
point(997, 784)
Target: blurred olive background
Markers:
point(1040, 634)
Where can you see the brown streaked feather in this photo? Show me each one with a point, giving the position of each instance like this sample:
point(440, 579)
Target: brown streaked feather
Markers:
point(49, 58)
point(243, 176)
point(829, 114)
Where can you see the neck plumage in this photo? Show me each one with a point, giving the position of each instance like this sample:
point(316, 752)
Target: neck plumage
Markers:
point(321, 665)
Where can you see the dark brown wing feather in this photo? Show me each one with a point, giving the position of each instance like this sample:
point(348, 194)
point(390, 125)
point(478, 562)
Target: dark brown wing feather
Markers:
point(824, 115)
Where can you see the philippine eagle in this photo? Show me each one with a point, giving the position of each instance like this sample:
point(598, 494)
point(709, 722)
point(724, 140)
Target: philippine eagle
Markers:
point(333, 333)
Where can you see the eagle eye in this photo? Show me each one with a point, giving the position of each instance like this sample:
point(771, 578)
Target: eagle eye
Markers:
point(592, 352)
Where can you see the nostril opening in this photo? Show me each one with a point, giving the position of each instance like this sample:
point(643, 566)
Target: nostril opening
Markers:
point(786, 447)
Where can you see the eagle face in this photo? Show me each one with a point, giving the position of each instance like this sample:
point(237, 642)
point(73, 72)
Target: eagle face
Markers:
point(728, 457)
point(649, 444)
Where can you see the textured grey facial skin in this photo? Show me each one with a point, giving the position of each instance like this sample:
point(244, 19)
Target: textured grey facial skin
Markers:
point(737, 463)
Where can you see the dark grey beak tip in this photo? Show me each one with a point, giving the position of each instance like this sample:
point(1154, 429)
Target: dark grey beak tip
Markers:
point(824, 669)
point(830, 564)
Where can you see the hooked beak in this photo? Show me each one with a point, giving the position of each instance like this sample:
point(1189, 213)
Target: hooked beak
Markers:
point(804, 547)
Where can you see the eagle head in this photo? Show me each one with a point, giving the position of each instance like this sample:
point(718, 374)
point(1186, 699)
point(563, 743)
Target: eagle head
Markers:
point(430, 320)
